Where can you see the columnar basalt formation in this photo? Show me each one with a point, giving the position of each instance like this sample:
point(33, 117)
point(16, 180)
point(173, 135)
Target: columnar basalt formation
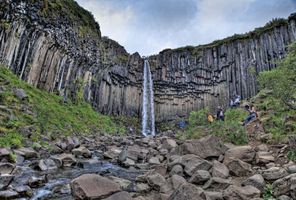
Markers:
point(57, 46)
point(192, 78)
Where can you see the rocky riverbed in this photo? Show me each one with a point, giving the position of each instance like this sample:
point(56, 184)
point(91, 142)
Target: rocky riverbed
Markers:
point(132, 167)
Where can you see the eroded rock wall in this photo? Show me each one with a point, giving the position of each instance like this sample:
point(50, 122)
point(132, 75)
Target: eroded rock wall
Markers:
point(55, 56)
point(59, 48)
point(191, 78)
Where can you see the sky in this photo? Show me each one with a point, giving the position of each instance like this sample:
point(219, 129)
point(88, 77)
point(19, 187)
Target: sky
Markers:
point(149, 26)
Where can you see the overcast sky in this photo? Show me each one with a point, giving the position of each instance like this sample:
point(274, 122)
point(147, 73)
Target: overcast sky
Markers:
point(149, 26)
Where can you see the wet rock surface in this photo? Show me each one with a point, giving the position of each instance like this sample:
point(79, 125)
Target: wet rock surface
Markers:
point(85, 172)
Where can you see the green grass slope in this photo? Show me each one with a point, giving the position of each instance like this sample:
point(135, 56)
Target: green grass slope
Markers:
point(45, 114)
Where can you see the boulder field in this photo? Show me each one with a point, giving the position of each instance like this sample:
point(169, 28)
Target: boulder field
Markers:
point(150, 168)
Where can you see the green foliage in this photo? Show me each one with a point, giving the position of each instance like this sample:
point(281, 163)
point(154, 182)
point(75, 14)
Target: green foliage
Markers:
point(70, 10)
point(268, 192)
point(292, 155)
point(11, 139)
point(282, 80)
point(230, 129)
point(50, 114)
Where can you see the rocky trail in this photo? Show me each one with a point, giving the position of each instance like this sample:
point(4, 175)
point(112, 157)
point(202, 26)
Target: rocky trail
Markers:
point(132, 167)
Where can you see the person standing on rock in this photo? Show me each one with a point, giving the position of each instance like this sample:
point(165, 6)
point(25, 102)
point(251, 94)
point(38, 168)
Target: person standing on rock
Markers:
point(220, 114)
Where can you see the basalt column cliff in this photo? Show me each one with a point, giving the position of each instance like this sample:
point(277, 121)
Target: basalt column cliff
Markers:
point(56, 45)
point(191, 78)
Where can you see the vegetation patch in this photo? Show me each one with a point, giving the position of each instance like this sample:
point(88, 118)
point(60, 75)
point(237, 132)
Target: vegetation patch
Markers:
point(47, 113)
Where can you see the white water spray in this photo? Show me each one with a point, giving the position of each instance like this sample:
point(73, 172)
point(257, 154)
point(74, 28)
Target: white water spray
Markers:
point(148, 121)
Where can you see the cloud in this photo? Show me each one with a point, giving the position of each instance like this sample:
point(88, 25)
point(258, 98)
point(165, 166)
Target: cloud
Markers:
point(149, 26)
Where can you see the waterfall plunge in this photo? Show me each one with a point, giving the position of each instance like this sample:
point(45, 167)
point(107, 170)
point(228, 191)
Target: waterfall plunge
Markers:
point(148, 126)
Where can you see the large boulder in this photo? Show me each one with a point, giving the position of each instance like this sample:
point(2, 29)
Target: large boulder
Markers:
point(8, 194)
point(6, 168)
point(238, 168)
point(274, 173)
point(65, 160)
point(4, 153)
point(26, 152)
point(263, 157)
point(217, 183)
point(244, 153)
point(191, 163)
point(189, 192)
point(241, 193)
point(120, 195)
point(82, 151)
point(5, 180)
point(156, 180)
point(210, 146)
point(284, 185)
point(256, 181)
point(47, 164)
point(219, 170)
point(93, 186)
point(168, 144)
point(112, 153)
point(200, 176)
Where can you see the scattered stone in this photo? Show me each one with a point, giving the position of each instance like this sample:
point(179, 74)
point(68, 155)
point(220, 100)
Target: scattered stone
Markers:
point(120, 195)
point(35, 182)
point(6, 168)
point(26, 152)
point(177, 181)
point(20, 94)
point(243, 153)
point(263, 157)
point(168, 144)
point(192, 163)
point(199, 177)
point(156, 180)
point(24, 190)
point(238, 168)
point(128, 162)
point(5, 180)
point(274, 173)
point(154, 161)
point(4, 153)
point(65, 160)
point(210, 146)
point(256, 181)
point(213, 195)
point(142, 187)
point(243, 193)
point(81, 151)
point(284, 197)
point(112, 153)
point(219, 170)
point(8, 194)
point(124, 184)
point(284, 185)
point(189, 192)
point(292, 169)
point(177, 169)
point(217, 183)
point(93, 186)
point(47, 164)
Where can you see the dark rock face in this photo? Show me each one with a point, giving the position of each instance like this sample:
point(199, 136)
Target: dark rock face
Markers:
point(60, 55)
point(191, 78)
point(55, 56)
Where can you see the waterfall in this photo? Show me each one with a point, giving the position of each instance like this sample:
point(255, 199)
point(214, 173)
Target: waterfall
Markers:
point(148, 121)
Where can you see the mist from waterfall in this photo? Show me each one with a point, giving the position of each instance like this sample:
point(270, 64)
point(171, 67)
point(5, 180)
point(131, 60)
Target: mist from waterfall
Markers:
point(148, 121)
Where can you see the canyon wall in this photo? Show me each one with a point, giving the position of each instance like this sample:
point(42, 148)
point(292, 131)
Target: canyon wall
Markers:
point(57, 46)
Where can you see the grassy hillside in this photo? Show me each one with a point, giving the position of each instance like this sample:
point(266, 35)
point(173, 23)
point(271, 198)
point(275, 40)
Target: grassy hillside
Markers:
point(43, 113)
